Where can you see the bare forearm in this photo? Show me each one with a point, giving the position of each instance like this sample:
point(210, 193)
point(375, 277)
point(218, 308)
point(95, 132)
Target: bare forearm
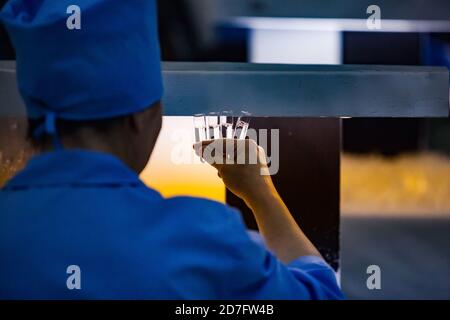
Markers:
point(279, 229)
point(282, 234)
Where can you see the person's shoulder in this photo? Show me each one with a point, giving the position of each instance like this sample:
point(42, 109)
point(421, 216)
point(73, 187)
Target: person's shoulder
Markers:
point(197, 205)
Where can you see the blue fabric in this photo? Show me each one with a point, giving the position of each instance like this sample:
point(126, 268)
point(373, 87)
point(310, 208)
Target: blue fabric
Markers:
point(88, 209)
point(110, 67)
point(435, 51)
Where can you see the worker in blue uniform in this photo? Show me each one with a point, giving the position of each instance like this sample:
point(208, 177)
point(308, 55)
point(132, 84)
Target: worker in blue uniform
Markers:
point(78, 223)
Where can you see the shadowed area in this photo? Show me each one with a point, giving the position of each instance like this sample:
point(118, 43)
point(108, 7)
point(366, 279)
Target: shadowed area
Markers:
point(412, 253)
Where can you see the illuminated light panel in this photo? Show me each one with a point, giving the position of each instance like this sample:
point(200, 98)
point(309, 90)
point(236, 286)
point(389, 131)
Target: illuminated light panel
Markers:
point(295, 47)
point(172, 178)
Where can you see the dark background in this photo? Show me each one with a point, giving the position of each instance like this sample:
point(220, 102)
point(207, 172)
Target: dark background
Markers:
point(181, 41)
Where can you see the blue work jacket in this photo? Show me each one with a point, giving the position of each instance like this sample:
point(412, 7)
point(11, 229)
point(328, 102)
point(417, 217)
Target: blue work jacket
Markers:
point(81, 225)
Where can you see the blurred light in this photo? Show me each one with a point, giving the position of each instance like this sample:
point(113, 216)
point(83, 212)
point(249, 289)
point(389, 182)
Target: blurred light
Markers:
point(296, 47)
point(181, 179)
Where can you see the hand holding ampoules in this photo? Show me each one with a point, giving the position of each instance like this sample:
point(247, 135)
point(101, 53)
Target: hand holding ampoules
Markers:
point(221, 125)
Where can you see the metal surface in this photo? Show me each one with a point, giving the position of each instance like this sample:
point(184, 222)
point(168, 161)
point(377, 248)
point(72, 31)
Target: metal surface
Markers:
point(287, 90)
point(390, 9)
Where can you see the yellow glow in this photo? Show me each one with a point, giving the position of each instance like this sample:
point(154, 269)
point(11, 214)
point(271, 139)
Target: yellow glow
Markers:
point(410, 184)
point(175, 170)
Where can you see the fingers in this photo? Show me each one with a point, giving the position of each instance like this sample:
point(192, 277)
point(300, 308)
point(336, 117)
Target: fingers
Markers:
point(198, 146)
point(219, 152)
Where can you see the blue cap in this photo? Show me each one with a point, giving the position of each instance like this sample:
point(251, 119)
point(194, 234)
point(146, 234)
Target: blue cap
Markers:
point(109, 67)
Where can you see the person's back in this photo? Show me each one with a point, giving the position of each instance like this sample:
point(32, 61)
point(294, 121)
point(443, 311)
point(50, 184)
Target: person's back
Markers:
point(130, 243)
point(77, 223)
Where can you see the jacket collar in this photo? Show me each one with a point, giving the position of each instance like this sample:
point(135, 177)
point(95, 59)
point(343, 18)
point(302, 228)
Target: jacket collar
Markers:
point(74, 168)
